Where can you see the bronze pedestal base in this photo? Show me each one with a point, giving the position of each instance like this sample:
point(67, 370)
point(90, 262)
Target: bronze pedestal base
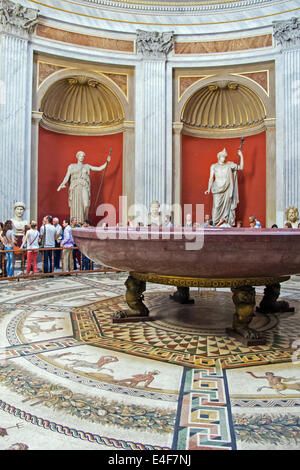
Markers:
point(243, 298)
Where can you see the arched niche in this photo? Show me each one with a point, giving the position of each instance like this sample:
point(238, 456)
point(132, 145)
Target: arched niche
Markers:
point(80, 110)
point(213, 113)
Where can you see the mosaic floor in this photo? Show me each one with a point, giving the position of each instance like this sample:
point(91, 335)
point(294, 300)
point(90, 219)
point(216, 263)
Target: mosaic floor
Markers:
point(71, 379)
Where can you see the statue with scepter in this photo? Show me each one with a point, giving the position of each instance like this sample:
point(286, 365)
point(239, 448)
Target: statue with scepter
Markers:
point(223, 185)
point(78, 177)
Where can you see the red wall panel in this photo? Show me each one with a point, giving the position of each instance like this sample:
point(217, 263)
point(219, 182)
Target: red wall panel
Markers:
point(57, 151)
point(199, 154)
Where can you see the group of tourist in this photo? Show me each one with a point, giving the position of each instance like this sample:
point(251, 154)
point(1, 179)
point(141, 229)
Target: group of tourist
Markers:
point(55, 240)
point(292, 221)
point(58, 245)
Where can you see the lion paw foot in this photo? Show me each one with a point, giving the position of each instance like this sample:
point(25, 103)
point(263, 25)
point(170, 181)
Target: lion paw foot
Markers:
point(119, 314)
point(248, 333)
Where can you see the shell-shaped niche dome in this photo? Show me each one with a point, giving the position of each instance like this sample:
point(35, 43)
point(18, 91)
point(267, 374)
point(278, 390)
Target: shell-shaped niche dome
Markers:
point(223, 105)
point(81, 101)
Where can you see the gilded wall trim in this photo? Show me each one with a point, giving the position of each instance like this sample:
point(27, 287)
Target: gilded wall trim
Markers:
point(186, 81)
point(120, 79)
point(260, 77)
point(184, 281)
point(45, 69)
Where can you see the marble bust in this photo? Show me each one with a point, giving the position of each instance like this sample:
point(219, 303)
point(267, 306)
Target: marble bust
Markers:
point(17, 220)
point(188, 220)
point(155, 216)
point(292, 216)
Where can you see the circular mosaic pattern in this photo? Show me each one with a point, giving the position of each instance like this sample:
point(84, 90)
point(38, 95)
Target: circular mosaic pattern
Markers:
point(192, 335)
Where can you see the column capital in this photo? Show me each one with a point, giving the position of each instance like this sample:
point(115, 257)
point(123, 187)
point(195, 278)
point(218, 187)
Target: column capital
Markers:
point(129, 126)
point(16, 19)
point(36, 116)
point(153, 44)
point(270, 123)
point(287, 33)
point(177, 127)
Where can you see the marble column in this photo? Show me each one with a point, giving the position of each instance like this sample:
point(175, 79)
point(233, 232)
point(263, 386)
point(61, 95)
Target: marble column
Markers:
point(128, 171)
point(177, 172)
point(271, 187)
point(287, 35)
point(35, 128)
point(16, 24)
point(151, 122)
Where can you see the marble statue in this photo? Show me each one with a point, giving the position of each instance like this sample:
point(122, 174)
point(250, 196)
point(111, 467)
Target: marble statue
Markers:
point(292, 216)
point(223, 185)
point(17, 220)
point(188, 220)
point(78, 177)
point(155, 216)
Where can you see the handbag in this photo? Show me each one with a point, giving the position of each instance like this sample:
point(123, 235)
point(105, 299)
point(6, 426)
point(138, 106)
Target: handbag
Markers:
point(17, 250)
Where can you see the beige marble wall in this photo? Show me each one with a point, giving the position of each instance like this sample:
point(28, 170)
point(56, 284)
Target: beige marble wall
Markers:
point(212, 47)
point(84, 40)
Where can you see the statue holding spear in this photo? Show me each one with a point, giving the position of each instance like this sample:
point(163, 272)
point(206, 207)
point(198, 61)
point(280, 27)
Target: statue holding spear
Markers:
point(78, 177)
point(223, 185)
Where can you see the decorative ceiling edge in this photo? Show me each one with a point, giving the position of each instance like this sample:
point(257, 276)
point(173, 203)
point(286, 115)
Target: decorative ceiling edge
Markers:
point(185, 7)
point(129, 18)
point(221, 133)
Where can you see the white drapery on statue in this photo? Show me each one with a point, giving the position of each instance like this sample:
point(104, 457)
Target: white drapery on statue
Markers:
point(78, 177)
point(223, 185)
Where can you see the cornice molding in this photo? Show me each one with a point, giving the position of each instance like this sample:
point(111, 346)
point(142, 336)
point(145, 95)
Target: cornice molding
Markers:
point(71, 129)
point(223, 133)
point(178, 6)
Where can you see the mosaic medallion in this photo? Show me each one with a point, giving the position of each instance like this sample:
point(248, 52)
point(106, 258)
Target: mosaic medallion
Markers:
point(191, 335)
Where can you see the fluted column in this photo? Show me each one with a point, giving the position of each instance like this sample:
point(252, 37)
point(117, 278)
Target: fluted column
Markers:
point(35, 127)
point(177, 171)
point(151, 165)
point(287, 35)
point(16, 25)
point(128, 171)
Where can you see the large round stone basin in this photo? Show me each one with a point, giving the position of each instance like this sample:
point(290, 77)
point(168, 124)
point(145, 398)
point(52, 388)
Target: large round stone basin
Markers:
point(206, 253)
